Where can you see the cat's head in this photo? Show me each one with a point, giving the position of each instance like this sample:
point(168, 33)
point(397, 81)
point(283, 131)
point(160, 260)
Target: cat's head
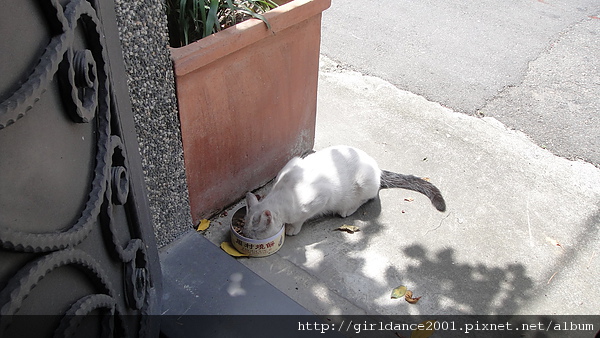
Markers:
point(260, 223)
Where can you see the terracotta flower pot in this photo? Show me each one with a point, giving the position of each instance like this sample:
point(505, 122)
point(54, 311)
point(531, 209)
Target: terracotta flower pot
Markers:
point(247, 102)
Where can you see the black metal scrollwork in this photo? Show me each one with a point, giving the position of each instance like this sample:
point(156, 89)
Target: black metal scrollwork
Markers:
point(38, 83)
point(137, 282)
point(120, 175)
point(80, 84)
point(21, 284)
point(83, 80)
point(71, 322)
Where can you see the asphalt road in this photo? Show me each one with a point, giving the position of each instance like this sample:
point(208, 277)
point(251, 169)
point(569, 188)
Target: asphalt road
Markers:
point(532, 64)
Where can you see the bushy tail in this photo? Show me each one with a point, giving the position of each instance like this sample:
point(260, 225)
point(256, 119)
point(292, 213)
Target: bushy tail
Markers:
point(393, 180)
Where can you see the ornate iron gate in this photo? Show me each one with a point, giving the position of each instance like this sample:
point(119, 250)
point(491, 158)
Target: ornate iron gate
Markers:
point(75, 232)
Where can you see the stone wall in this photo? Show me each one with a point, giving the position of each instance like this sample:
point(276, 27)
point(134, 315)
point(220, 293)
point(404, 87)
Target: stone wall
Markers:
point(144, 39)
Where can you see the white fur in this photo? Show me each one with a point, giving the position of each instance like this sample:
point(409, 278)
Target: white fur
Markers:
point(333, 180)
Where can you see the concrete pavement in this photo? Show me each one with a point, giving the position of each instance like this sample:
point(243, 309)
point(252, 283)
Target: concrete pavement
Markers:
point(557, 101)
point(520, 235)
point(532, 64)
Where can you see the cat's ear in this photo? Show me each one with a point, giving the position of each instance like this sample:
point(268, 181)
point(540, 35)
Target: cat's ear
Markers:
point(268, 216)
point(251, 200)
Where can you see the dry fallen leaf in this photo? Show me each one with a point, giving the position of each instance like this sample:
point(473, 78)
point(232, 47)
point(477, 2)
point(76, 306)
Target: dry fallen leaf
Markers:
point(590, 260)
point(426, 179)
point(348, 228)
point(426, 331)
point(548, 282)
point(227, 247)
point(554, 242)
point(409, 297)
point(398, 292)
point(409, 199)
point(204, 224)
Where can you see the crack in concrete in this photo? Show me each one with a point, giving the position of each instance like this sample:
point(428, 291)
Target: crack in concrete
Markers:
point(480, 112)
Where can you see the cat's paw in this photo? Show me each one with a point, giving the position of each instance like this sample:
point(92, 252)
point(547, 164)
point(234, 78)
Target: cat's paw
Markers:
point(346, 213)
point(292, 230)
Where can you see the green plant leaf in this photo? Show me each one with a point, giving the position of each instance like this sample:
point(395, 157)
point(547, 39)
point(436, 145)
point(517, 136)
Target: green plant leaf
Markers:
point(210, 25)
point(255, 15)
point(230, 4)
point(232, 10)
point(202, 10)
point(190, 20)
point(264, 4)
point(183, 22)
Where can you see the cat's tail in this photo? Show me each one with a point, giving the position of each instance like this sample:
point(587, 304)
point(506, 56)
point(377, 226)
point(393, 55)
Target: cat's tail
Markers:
point(393, 180)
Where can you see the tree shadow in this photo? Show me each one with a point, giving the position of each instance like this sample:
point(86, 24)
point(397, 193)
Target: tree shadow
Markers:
point(337, 262)
point(454, 287)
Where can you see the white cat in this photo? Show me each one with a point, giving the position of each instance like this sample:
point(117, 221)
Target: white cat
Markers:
point(334, 180)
